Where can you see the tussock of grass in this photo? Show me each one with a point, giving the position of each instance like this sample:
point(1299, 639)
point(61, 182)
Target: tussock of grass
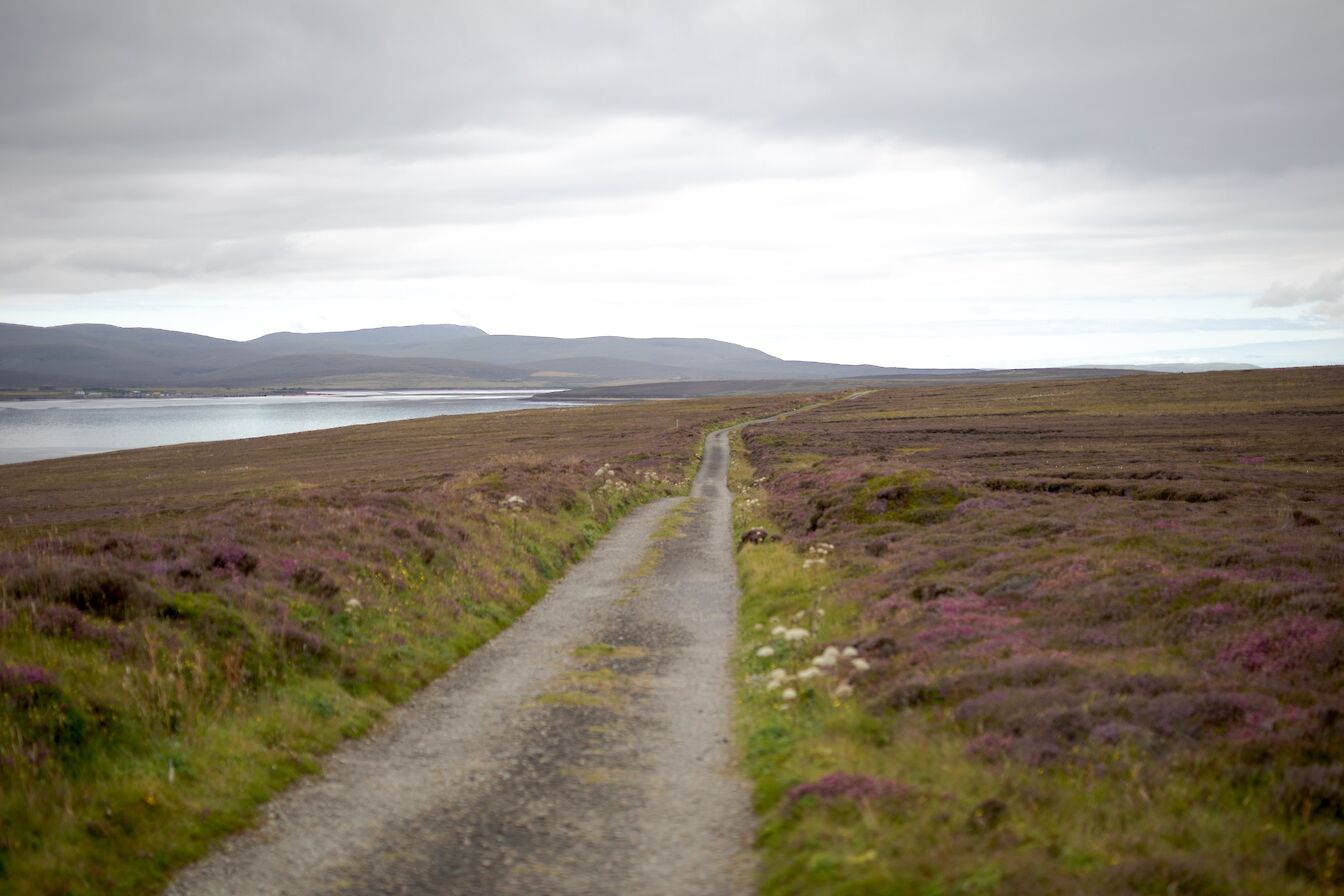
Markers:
point(674, 523)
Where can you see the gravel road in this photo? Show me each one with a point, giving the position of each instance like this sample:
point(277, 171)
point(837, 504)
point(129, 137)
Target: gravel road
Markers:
point(585, 750)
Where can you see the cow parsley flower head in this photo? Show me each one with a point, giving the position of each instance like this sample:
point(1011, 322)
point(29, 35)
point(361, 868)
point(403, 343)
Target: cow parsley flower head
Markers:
point(797, 634)
point(767, 650)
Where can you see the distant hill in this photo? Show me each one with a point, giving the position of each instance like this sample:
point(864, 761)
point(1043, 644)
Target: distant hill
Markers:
point(310, 369)
point(100, 356)
point(1173, 368)
point(439, 355)
point(423, 340)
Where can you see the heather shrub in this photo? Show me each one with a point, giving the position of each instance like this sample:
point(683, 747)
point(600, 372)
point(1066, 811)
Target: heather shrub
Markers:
point(1143, 684)
point(1117, 732)
point(1320, 604)
point(97, 591)
point(848, 786)
point(23, 684)
point(60, 620)
point(990, 746)
point(311, 580)
point(43, 723)
point(232, 558)
point(1286, 644)
point(1015, 709)
point(906, 694)
point(1197, 715)
point(1025, 672)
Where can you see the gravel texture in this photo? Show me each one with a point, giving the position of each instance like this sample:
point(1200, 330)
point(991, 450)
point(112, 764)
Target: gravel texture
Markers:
point(585, 750)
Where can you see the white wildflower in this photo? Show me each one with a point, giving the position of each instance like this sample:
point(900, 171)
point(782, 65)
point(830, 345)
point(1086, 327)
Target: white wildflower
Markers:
point(849, 653)
point(779, 674)
point(760, 626)
point(823, 661)
point(353, 604)
point(772, 685)
point(844, 689)
point(788, 694)
point(860, 664)
point(767, 650)
point(779, 631)
point(832, 652)
point(799, 615)
point(797, 634)
point(809, 673)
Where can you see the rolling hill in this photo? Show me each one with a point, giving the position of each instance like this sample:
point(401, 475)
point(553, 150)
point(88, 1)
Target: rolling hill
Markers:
point(101, 356)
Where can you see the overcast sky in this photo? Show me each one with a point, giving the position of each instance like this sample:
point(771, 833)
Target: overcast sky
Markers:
point(991, 183)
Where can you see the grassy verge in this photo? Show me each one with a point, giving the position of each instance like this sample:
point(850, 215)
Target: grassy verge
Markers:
point(1101, 639)
point(184, 631)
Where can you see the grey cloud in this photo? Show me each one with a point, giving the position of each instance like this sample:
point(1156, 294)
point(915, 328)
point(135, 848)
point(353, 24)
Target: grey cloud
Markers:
point(1178, 85)
point(139, 137)
point(1324, 296)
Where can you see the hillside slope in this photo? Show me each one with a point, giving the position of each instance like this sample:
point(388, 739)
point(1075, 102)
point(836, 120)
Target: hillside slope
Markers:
point(95, 355)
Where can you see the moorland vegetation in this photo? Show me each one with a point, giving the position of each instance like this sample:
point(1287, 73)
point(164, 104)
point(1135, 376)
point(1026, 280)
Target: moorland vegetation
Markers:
point(1051, 638)
point(185, 630)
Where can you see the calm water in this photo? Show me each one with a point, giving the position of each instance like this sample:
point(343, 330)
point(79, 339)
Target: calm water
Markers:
point(36, 430)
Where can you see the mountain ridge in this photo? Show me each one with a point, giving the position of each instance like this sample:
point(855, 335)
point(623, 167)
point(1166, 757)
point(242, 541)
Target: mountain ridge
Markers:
point(106, 356)
point(103, 356)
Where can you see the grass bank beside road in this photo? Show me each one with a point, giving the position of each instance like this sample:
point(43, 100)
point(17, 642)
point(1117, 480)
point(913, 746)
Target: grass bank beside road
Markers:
point(1084, 637)
point(185, 630)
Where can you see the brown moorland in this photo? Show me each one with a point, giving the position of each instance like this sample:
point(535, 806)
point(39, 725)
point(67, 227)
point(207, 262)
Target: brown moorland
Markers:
point(183, 630)
point(1088, 637)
